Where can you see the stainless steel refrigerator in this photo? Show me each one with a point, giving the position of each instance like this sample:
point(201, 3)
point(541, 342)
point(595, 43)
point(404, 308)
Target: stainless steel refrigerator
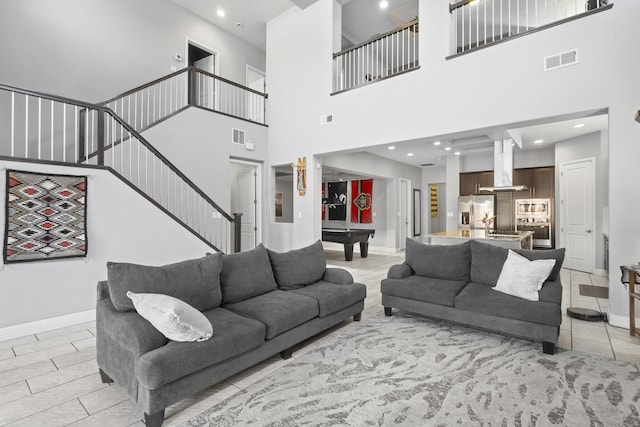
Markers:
point(471, 210)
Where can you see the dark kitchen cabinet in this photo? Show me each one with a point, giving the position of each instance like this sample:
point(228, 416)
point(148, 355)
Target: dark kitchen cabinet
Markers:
point(522, 177)
point(470, 182)
point(505, 211)
point(543, 183)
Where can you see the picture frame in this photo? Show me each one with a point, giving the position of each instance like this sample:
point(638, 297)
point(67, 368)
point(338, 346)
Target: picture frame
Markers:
point(417, 212)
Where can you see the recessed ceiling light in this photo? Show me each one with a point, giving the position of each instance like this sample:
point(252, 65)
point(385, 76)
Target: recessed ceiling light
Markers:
point(538, 141)
point(447, 148)
point(391, 147)
point(579, 125)
point(383, 4)
point(457, 153)
point(220, 13)
point(409, 154)
point(436, 143)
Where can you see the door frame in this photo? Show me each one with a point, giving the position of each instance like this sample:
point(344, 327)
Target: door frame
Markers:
point(215, 53)
point(408, 200)
point(259, 202)
point(562, 196)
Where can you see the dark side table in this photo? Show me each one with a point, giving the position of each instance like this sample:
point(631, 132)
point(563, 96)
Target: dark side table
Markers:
point(631, 275)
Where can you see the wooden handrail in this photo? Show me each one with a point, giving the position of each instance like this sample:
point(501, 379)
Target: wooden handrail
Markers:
point(222, 79)
point(50, 97)
point(144, 86)
point(375, 39)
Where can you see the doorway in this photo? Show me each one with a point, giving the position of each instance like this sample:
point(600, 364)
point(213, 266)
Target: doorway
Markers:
point(205, 59)
point(577, 213)
point(245, 184)
point(405, 209)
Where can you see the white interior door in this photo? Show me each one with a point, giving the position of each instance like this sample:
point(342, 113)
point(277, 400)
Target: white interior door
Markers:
point(577, 207)
point(244, 183)
point(405, 199)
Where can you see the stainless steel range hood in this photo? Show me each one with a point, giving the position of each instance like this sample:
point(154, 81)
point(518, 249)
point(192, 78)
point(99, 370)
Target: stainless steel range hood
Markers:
point(503, 168)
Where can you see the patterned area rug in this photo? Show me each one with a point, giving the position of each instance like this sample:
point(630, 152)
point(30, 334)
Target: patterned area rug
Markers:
point(410, 371)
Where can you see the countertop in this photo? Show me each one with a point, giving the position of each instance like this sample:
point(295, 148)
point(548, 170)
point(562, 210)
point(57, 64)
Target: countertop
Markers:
point(480, 235)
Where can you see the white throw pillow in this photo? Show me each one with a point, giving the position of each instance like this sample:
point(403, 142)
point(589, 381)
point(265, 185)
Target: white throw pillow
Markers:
point(523, 278)
point(174, 318)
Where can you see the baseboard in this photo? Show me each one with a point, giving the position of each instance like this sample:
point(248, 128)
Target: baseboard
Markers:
point(620, 321)
point(44, 325)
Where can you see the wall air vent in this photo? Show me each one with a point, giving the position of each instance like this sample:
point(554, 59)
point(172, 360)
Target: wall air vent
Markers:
point(560, 60)
point(427, 164)
point(237, 136)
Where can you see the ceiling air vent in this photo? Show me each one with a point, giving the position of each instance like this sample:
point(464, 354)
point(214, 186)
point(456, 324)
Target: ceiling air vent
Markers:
point(427, 164)
point(560, 60)
point(237, 136)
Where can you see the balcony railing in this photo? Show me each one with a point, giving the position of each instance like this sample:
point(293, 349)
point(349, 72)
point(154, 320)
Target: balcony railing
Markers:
point(158, 100)
point(45, 128)
point(477, 23)
point(388, 55)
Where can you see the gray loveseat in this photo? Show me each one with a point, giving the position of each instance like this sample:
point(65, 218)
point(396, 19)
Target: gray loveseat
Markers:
point(260, 303)
point(454, 283)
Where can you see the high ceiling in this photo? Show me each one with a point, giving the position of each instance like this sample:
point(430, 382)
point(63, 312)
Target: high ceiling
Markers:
point(362, 20)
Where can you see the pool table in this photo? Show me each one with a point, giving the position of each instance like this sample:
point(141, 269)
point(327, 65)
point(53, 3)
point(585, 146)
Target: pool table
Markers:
point(349, 237)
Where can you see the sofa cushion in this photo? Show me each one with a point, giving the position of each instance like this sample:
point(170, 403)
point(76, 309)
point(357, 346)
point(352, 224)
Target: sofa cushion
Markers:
point(450, 262)
point(427, 289)
point(278, 310)
point(480, 298)
point(196, 282)
point(332, 297)
point(298, 267)
point(245, 275)
point(233, 335)
point(487, 261)
point(523, 278)
point(175, 319)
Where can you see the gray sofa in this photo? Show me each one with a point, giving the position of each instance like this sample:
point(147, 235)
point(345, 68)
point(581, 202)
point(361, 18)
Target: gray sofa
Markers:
point(260, 303)
point(454, 283)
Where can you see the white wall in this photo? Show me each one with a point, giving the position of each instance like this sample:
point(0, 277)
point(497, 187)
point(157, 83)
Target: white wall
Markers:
point(121, 226)
point(198, 142)
point(94, 50)
point(507, 86)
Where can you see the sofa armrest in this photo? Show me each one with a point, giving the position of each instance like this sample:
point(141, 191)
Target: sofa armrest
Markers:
point(121, 338)
point(551, 291)
point(337, 275)
point(399, 271)
point(103, 290)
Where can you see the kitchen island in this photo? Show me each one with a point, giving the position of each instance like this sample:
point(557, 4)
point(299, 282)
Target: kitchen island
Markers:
point(511, 240)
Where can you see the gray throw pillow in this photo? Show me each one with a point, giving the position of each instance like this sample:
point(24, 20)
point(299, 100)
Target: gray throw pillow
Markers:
point(196, 282)
point(245, 275)
point(486, 262)
point(451, 262)
point(298, 267)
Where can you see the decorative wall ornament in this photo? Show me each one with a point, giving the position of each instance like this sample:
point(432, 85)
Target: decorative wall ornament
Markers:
point(361, 201)
point(45, 217)
point(433, 202)
point(301, 175)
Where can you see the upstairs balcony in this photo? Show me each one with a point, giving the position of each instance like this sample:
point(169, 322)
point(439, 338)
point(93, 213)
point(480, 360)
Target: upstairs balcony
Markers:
point(477, 24)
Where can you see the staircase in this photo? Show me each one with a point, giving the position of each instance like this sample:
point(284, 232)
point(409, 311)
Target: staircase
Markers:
point(49, 129)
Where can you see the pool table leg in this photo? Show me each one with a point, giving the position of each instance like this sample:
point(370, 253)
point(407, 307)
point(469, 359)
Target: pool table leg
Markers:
point(348, 251)
point(364, 249)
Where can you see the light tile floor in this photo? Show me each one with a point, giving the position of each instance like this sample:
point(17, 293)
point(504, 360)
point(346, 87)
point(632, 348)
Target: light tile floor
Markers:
point(50, 379)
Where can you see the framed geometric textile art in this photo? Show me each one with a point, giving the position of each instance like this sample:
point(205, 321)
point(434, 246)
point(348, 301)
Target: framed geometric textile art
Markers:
point(46, 217)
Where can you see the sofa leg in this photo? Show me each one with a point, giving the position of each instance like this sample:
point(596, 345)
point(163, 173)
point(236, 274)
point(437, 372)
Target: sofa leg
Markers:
point(548, 347)
point(357, 317)
point(106, 379)
point(286, 354)
point(387, 311)
point(154, 420)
